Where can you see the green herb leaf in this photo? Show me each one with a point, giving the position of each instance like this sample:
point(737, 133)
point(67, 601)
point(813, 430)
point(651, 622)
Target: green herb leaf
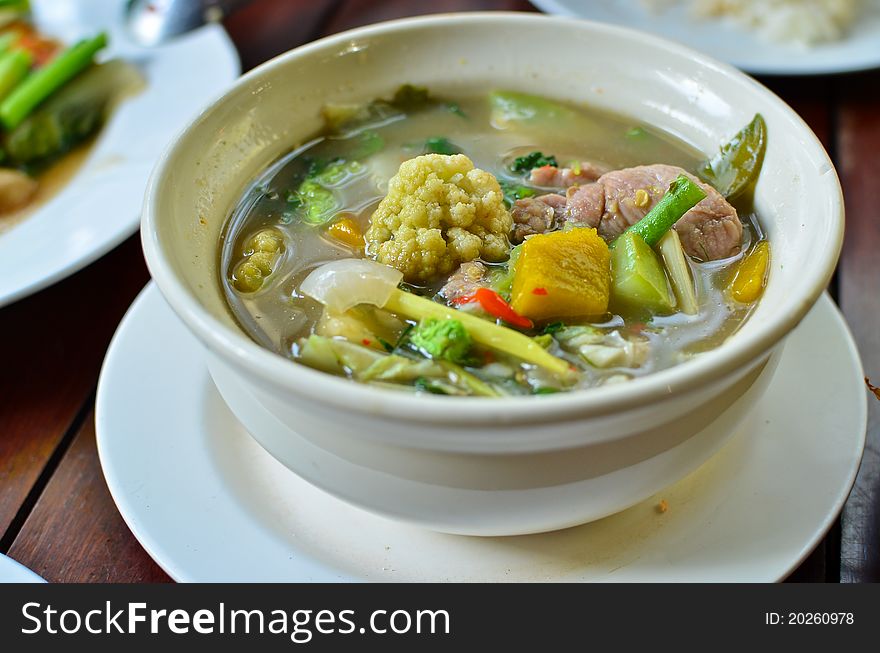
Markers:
point(532, 160)
point(513, 192)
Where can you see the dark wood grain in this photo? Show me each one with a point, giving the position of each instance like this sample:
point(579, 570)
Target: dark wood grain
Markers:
point(858, 154)
point(354, 13)
point(53, 345)
point(75, 534)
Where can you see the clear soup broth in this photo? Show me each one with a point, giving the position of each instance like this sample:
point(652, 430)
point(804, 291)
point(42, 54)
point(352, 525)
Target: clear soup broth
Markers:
point(312, 223)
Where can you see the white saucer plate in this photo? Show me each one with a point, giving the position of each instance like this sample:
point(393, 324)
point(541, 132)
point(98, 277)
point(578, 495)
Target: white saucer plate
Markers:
point(209, 504)
point(15, 572)
point(859, 50)
point(100, 206)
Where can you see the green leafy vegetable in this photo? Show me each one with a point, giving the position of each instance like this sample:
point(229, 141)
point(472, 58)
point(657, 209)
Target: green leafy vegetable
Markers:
point(513, 192)
point(441, 145)
point(554, 327)
point(737, 165)
point(443, 339)
point(532, 160)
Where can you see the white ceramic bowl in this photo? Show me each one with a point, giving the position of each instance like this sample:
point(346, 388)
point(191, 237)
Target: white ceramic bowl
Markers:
point(481, 466)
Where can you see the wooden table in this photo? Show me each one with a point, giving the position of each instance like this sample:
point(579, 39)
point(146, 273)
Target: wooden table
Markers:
point(56, 515)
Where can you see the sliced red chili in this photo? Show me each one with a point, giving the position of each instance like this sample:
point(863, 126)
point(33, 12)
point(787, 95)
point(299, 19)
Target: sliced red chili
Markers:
point(494, 304)
point(366, 341)
point(539, 291)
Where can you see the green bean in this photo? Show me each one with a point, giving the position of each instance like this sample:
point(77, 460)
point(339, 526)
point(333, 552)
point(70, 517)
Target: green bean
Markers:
point(682, 196)
point(48, 79)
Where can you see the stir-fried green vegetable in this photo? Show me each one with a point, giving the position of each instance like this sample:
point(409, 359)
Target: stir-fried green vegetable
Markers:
point(71, 115)
point(737, 165)
point(48, 79)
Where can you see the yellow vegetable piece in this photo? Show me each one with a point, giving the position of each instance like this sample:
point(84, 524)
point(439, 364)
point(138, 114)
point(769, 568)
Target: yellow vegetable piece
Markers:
point(750, 278)
point(348, 232)
point(562, 274)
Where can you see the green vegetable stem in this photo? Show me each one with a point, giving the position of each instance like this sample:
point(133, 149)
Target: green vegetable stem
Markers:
point(682, 196)
point(14, 67)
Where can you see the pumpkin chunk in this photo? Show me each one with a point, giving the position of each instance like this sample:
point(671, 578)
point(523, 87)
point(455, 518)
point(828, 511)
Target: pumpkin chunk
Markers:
point(562, 274)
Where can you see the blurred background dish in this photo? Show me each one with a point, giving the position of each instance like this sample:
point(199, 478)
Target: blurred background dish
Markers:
point(98, 206)
point(782, 37)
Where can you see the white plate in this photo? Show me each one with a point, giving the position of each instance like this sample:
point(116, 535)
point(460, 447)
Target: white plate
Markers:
point(100, 207)
point(860, 50)
point(15, 572)
point(209, 504)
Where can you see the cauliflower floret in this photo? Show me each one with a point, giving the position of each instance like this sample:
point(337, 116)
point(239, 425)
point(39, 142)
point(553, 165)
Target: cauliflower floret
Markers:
point(440, 211)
